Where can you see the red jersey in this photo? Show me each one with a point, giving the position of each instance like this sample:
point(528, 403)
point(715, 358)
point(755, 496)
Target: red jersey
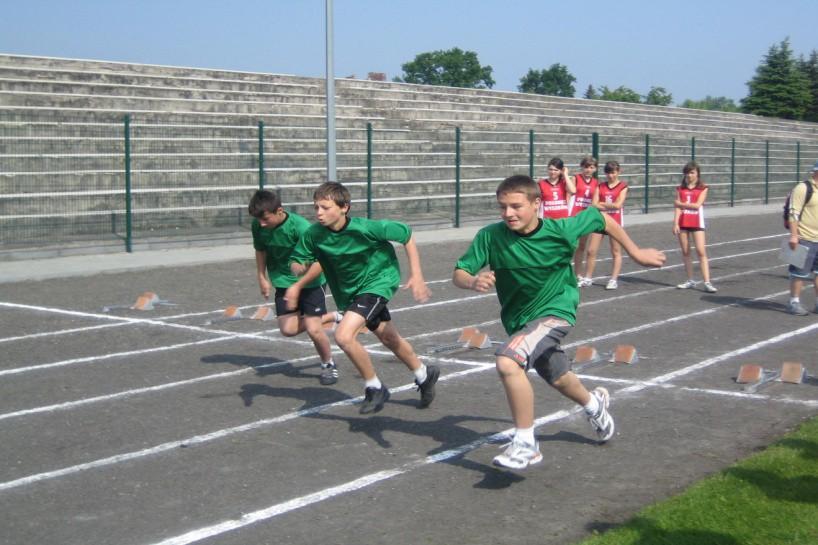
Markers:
point(554, 197)
point(584, 195)
point(691, 219)
point(608, 194)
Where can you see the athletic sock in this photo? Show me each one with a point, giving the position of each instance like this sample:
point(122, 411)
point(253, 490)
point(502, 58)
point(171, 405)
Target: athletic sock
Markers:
point(330, 363)
point(374, 383)
point(420, 374)
point(593, 406)
point(526, 435)
point(794, 300)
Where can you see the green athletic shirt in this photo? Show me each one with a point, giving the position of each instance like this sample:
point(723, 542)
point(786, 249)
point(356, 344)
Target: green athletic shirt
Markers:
point(278, 243)
point(357, 259)
point(534, 273)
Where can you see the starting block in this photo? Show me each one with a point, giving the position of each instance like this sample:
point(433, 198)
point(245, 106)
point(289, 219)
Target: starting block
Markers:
point(470, 338)
point(587, 356)
point(793, 373)
point(624, 353)
point(263, 313)
point(230, 314)
point(755, 376)
point(146, 301)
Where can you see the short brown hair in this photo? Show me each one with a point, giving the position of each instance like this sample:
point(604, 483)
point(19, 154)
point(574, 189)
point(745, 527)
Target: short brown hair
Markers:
point(333, 191)
point(263, 201)
point(520, 183)
point(588, 161)
point(612, 166)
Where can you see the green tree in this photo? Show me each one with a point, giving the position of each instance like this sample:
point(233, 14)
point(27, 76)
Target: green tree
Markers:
point(453, 67)
point(556, 80)
point(620, 94)
point(721, 104)
point(778, 89)
point(809, 68)
point(591, 93)
point(658, 96)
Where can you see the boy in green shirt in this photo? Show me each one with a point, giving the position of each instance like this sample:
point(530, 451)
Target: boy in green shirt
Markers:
point(530, 263)
point(362, 271)
point(275, 234)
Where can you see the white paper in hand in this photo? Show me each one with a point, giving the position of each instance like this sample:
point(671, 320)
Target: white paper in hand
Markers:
point(797, 258)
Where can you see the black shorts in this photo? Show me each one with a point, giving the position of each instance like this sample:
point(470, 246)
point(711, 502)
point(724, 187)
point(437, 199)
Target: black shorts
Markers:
point(372, 307)
point(311, 302)
point(691, 229)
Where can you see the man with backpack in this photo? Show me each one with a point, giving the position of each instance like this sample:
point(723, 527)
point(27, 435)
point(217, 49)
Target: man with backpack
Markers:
point(803, 226)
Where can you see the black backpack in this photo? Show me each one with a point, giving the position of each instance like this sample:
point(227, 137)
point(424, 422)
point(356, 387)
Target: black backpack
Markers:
point(787, 205)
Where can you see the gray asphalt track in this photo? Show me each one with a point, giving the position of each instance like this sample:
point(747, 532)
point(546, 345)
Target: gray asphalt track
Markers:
point(149, 427)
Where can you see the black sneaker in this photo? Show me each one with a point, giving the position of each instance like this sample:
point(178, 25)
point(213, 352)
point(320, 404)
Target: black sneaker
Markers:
point(329, 374)
point(427, 389)
point(374, 398)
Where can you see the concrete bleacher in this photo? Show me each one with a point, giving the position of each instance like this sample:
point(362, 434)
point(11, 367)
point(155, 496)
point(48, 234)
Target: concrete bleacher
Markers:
point(195, 136)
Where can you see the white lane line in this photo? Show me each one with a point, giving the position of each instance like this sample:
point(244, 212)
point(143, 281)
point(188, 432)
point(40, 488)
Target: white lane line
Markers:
point(60, 332)
point(480, 366)
point(204, 438)
point(373, 478)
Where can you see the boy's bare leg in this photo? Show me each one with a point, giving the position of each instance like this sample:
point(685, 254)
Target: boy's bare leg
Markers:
point(571, 387)
point(290, 324)
point(519, 393)
point(315, 330)
point(346, 336)
point(388, 334)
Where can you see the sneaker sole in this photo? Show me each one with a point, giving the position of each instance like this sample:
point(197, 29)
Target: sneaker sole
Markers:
point(327, 381)
point(536, 460)
point(607, 399)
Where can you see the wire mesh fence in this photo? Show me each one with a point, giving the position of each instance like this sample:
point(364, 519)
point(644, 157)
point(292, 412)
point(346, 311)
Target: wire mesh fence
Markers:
point(97, 178)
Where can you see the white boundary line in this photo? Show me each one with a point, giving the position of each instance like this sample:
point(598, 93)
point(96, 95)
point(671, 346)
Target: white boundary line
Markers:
point(368, 480)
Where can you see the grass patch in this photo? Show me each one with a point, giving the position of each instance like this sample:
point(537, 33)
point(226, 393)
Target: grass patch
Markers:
point(771, 498)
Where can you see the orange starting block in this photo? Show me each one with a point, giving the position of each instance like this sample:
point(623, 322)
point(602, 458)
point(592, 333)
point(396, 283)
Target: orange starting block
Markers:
point(146, 301)
point(470, 338)
point(756, 377)
point(587, 356)
point(229, 314)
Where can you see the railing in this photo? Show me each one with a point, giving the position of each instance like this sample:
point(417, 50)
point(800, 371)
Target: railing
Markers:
point(93, 179)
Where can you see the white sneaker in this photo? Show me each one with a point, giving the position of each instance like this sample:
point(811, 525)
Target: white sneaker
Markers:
point(518, 455)
point(580, 281)
point(602, 421)
point(686, 285)
point(587, 282)
point(710, 288)
point(612, 284)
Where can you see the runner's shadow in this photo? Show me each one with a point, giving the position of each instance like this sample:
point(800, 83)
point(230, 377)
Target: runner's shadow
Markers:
point(311, 396)
point(651, 534)
point(264, 365)
point(746, 303)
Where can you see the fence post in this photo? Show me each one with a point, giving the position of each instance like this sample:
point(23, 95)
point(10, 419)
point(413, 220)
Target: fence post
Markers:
point(128, 209)
point(692, 148)
point(261, 154)
point(369, 170)
point(733, 172)
point(797, 161)
point(647, 173)
point(531, 153)
point(457, 177)
point(595, 145)
point(766, 172)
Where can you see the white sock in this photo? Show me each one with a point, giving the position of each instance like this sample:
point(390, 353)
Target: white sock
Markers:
point(329, 363)
point(794, 300)
point(374, 383)
point(593, 406)
point(526, 435)
point(338, 317)
point(420, 374)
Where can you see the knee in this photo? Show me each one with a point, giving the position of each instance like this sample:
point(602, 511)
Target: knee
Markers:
point(507, 367)
point(344, 339)
point(289, 330)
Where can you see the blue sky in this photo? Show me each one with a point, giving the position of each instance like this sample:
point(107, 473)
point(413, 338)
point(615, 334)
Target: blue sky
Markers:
point(692, 48)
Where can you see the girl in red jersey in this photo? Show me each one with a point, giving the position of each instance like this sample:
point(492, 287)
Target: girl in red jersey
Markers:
point(556, 190)
point(688, 221)
point(586, 184)
point(609, 197)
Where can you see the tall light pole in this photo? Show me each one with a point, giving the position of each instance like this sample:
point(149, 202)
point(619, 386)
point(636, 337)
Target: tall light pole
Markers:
point(330, 92)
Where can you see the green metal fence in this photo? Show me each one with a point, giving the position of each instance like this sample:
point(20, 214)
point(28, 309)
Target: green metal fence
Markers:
point(93, 179)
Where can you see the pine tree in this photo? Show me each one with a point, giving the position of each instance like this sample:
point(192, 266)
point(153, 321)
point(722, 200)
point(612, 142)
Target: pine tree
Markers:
point(591, 93)
point(810, 70)
point(778, 89)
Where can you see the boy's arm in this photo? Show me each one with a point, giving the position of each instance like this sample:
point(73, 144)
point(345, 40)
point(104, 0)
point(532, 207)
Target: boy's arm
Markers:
point(415, 282)
point(481, 282)
point(648, 257)
point(294, 291)
point(261, 272)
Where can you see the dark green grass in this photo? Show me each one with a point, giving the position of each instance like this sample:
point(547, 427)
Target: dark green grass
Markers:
point(770, 498)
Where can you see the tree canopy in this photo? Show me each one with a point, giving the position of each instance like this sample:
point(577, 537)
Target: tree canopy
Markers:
point(658, 96)
point(620, 94)
point(809, 68)
point(556, 80)
point(453, 67)
point(721, 104)
point(779, 88)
